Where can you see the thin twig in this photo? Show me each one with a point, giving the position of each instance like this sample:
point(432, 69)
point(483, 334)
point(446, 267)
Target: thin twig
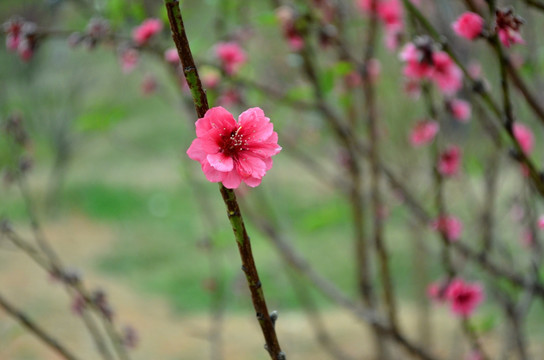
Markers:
point(242, 239)
point(35, 329)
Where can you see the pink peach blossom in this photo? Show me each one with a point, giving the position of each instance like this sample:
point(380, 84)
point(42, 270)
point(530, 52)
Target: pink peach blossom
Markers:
point(540, 222)
point(475, 69)
point(149, 85)
point(507, 27)
point(129, 59)
point(150, 27)
point(229, 97)
point(423, 132)
point(446, 74)
point(449, 162)
point(527, 238)
point(231, 152)
point(464, 297)
point(171, 56)
point(460, 109)
point(524, 136)
point(450, 226)
point(390, 12)
point(13, 29)
point(422, 62)
point(210, 79)
point(469, 25)
point(509, 37)
point(353, 79)
point(474, 355)
point(231, 55)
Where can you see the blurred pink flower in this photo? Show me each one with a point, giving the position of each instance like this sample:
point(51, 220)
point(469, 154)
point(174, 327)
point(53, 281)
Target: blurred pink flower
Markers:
point(129, 59)
point(540, 222)
point(149, 85)
point(391, 14)
point(13, 29)
point(287, 17)
point(21, 37)
point(527, 238)
point(210, 79)
point(507, 27)
point(449, 162)
point(474, 355)
point(353, 79)
point(373, 69)
point(231, 55)
point(464, 297)
point(460, 109)
point(446, 74)
point(412, 89)
point(231, 152)
point(141, 34)
point(450, 226)
point(171, 56)
point(229, 97)
point(524, 136)
point(475, 69)
point(469, 25)
point(424, 63)
point(417, 67)
point(423, 132)
point(510, 37)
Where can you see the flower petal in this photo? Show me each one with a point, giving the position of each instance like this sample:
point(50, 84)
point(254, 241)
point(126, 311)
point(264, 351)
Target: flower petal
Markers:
point(216, 117)
point(195, 151)
point(212, 174)
point(253, 182)
point(251, 165)
point(232, 180)
point(210, 142)
point(220, 162)
point(255, 125)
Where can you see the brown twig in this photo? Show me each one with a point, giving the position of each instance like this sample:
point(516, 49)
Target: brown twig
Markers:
point(35, 329)
point(375, 173)
point(242, 239)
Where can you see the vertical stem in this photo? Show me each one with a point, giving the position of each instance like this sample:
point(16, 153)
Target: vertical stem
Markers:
point(233, 211)
point(375, 173)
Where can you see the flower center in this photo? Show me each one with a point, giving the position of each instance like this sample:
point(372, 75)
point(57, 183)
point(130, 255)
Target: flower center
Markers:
point(464, 298)
point(233, 143)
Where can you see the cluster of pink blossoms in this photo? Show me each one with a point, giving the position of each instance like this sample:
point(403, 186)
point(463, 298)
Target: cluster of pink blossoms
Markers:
point(21, 37)
point(287, 19)
point(390, 13)
point(128, 55)
point(463, 297)
point(422, 62)
point(231, 152)
point(471, 26)
point(231, 56)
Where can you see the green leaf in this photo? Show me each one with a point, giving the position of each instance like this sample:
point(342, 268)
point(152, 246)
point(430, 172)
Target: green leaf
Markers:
point(342, 68)
point(327, 81)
